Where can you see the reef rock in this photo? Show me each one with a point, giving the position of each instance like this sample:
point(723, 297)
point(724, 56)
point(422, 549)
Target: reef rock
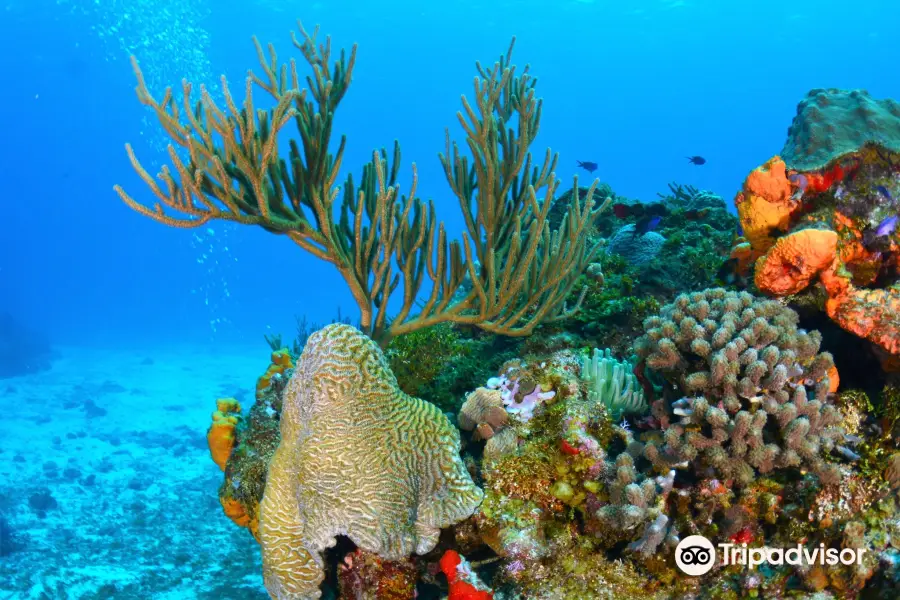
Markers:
point(831, 123)
point(360, 458)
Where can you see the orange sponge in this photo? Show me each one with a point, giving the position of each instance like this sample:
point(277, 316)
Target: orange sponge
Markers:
point(234, 510)
point(281, 362)
point(220, 436)
point(795, 260)
point(765, 203)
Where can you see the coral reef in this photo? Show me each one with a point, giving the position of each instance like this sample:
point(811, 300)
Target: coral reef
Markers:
point(349, 436)
point(827, 213)
point(366, 576)
point(725, 422)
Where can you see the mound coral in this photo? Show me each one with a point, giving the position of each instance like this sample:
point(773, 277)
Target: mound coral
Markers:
point(747, 371)
point(831, 123)
point(635, 249)
point(357, 457)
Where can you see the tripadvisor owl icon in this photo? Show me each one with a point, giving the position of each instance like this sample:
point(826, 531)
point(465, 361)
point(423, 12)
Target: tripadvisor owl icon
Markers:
point(695, 555)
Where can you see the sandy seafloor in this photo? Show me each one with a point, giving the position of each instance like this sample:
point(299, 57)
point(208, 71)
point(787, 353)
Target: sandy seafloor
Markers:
point(117, 438)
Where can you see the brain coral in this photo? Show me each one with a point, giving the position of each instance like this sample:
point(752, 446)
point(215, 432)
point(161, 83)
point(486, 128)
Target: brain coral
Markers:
point(831, 123)
point(357, 457)
point(636, 249)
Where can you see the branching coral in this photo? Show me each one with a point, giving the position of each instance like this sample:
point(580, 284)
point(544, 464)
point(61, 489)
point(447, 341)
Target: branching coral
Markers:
point(520, 270)
point(747, 370)
point(637, 502)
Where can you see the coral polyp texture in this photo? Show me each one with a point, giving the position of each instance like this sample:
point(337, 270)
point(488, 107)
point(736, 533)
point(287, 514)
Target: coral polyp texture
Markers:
point(831, 123)
point(359, 458)
point(756, 387)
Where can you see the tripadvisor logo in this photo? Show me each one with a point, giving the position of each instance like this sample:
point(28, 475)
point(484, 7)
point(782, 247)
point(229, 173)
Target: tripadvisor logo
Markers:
point(695, 555)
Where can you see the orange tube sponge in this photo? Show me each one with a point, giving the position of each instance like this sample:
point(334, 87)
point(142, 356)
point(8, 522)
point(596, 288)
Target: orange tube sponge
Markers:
point(220, 436)
point(281, 362)
point(795, 260)
point(765, 203)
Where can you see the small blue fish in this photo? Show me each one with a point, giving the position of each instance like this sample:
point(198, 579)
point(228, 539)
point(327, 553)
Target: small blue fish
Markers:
point(646, 225)
point(587, 165)
point(887, 226)
point(884, 192)
point(696, 160)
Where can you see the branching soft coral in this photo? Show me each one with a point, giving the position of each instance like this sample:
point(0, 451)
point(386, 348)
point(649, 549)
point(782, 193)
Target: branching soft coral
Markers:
point(519, 270)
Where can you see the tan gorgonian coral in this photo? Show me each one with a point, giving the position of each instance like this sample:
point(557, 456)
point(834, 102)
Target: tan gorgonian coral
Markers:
point(359, 458)
point(509, 273)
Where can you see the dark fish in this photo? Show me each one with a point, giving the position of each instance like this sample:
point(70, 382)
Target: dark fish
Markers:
point(587, 165)
point(639, 209)
point(696, 160)
point(696, 213)
point(646, 224)
point(728, 273)
point(657, 208)
point(740, 230)
point(884, 192)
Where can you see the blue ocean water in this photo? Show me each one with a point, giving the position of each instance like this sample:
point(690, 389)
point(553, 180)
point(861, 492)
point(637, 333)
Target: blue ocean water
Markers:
point(633, 86)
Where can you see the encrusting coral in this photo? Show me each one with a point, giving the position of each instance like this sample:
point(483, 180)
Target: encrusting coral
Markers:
point(748, 372)
point(519, 271)
point(357, 457)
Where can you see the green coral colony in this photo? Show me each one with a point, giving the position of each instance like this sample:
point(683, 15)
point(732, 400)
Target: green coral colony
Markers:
point(557, 469)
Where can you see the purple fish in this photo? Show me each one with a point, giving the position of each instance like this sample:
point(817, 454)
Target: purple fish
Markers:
point(887, 226)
